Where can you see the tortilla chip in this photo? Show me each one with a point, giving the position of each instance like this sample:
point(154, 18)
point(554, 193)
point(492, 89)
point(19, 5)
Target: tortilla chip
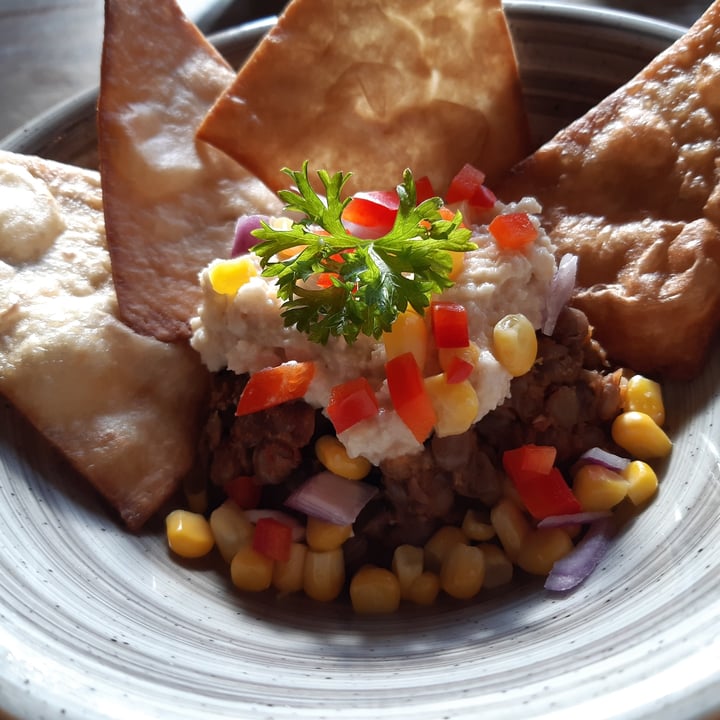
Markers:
point(170, 202)
point(123, 408)
point(375, 88)
point(633, 188)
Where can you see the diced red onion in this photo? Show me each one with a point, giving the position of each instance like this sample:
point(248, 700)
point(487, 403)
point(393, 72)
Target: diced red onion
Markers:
point(581, 518)
point(568, 572)
point(244, 239)
point(561, 289)
point(298, 530)
point(598, 456)
point(332, 498)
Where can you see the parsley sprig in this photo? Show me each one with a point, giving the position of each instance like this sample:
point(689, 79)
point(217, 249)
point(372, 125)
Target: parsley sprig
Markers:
point(370, 281)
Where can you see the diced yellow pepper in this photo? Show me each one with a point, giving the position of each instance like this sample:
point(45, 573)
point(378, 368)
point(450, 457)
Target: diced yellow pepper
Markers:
point(409, 333)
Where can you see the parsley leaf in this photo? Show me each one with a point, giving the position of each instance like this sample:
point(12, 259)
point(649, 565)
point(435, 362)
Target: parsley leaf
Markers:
point(367, 282)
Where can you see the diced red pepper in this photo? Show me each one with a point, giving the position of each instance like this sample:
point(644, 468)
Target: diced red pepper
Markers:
point(483, 198)
point(273, 539)
point(350, 403)
point(458, 370)
point(244, 491)
point(409, 396)
point(424, 189)
point(375, 209)
point(513, 231)
point(449, 325)
point(465, 184)
point(274, 386)
point(543, 492)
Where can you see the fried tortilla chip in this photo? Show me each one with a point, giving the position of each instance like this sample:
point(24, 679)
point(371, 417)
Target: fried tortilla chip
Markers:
point(374, 88)
point(123, 408)
point(170, 202)
point(633, 189)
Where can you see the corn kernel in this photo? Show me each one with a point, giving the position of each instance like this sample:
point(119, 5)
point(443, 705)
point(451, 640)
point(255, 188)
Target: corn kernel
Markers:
point(470, 354)
point(599, 488)
point(456, 405)
point(498, 567)
point(333, 455)
point(463, 571)
point(477, 527)
point(424, 589)
point(640, 435)
point(511, 526)
point(440, 544)
point(458, 263)
point(642, 481)
point(409, 333)
point(542, 548)
point(250, 570)
point(374, 591)
point(515, 344)
point(322, 536)
point(188, 534)
point(407, 564)
point(228, 276)
point(231, 529)
point(287, 576)
point(324, 574)
point(644, 395)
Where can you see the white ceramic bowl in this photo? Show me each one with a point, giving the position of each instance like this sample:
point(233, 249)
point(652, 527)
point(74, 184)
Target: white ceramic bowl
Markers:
point(97, 623)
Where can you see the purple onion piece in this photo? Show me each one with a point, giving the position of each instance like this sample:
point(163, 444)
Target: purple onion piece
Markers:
point(568, 572)
point(598, 456)
point(561, 289)
point(581, 518)
point(244, 239)
point(332, 498)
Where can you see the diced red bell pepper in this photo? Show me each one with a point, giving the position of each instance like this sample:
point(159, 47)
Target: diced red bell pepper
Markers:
point(458, 370)
point(273, 539)
point(424, 189)
point(244, 491)
point(409, 396)
point(465, 184)
point(375, 209)
point(543, 492)
point(483, 198)
point(274, 386)
point(350, 403)
point(513, 231)
point(449, 325)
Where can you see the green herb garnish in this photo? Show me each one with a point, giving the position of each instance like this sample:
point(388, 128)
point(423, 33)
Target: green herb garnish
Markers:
point(369, 281)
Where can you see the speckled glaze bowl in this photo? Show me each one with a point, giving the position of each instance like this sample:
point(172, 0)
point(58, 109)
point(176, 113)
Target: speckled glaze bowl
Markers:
point(98, 623)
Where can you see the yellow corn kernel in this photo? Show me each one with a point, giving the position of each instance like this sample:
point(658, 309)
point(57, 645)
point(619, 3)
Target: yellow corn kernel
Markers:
point(456, 405)
point(515, 344)
point(374, 591)
point(333, 455)
point(250, 570)
point(644, 395)
point(642, 481)
point(231, 529)
point(599, 488)
point(511, 526)
point(407, 564)
point(470, 354)
point(188, 534)
point(440, 544)
point(463, 571)
point(498, 568)
point(640, 435)
point(228, 276)
point(542, 548)
point(424, 588)
point(322, 536)
point(409, 333)
point(324, 574)
point(281, 222)
point(287, 576)
point(477, 527)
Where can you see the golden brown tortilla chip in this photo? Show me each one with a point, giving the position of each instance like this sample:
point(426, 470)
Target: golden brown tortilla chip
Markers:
point(123, 408)
point(170, 202)
point(633, 188)
point(374, 88)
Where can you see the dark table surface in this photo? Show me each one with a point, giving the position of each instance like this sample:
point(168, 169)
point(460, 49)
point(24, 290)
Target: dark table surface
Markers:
point(50, 49)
